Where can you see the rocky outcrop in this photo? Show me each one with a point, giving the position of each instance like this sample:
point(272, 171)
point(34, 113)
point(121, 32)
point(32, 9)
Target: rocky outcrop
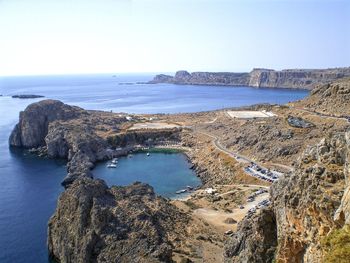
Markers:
point(82, 137)
point(295, 78)
point(144, 137)
point(298, 122)
point(307, 204)
point(268, 78)
point(82, 149)
point(204, 78)
point(304, 213)
point(342, 214)
point(34, 122)
point(161, 78)
point(94, 223)
point(255, 241)
point(330, 99)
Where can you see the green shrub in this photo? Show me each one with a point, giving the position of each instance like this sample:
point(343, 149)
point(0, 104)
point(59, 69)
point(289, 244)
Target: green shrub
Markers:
point(336, 246)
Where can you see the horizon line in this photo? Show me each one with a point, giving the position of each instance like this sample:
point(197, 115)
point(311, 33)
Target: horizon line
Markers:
point(161, 72)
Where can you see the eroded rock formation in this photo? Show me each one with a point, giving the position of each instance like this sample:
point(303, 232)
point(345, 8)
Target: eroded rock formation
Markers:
point(307, 205)
point(94, 223)
point(255, 241)
point(34, 122)
point(332, 99)
point(82, 137)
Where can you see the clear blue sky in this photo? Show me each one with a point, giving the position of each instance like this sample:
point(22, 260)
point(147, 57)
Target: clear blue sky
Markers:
point(94, 36)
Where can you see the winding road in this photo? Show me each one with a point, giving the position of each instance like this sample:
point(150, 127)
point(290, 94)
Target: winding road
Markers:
point(238, 157)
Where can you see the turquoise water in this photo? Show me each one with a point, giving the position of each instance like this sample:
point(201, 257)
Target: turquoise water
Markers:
point(166, 172)
point(30, 186)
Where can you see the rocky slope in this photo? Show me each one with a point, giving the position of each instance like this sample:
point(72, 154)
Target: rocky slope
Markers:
point(255, 241)
point(332, 99)
point(290, 78)
point(93, 223)
point(314, 205)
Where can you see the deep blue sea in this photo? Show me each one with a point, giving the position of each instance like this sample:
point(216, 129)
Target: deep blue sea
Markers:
point(29, 186)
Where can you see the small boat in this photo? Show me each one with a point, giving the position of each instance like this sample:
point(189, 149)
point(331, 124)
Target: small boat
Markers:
point(130, 155)
point(147, 154)
point(115, 161)
point(111, 165)
point(181, 191)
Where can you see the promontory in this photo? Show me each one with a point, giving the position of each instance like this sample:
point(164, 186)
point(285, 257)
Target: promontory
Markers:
point(258, 77)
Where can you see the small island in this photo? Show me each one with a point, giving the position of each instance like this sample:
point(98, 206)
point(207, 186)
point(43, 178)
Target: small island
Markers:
point(27, 96)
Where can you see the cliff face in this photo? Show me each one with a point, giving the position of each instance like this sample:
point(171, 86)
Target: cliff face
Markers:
point(255, 241)
point(34, 122)
point(94, 223)
point(142, 136)
point(291, 78)
point(79, 144)
point(302, 79)
point(82, 137)
point(307, 204)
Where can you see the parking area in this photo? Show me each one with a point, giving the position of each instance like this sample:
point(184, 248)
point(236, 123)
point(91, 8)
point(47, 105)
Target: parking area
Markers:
point(268, 175)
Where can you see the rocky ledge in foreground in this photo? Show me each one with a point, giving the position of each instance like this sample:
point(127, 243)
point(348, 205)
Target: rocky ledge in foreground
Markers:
point(308, 207)
point(94, 223)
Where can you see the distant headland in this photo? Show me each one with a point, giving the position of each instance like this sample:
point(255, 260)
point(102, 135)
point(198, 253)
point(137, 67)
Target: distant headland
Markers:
point(258, 77)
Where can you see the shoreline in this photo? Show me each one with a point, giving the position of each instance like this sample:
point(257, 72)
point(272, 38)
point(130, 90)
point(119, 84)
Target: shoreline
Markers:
point(218, 146)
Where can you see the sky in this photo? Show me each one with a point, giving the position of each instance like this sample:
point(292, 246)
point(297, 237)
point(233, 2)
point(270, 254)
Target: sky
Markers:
point(43, 37)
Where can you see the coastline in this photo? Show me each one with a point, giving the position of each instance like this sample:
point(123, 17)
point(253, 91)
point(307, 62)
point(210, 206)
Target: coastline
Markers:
point(258, 78)
point(227, 153)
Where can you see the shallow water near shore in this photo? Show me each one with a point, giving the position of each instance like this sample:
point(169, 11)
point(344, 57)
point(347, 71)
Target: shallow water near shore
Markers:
point(30, 185)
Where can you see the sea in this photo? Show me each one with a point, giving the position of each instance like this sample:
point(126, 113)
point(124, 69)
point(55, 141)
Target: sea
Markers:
point(30, 186)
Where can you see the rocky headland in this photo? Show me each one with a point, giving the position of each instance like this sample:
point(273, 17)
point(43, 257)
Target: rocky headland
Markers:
point(82, 137)
point(267, 78)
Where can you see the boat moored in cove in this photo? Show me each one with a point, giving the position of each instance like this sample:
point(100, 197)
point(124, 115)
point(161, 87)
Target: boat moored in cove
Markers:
point(111, 165)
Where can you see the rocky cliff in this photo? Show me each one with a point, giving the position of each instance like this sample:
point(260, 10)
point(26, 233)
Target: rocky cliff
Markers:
point(332, 98)
point(94, 223)
point(307, 206)
point(255, 241)
point(82, 137)
point(290, 78)
point(33, 124)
